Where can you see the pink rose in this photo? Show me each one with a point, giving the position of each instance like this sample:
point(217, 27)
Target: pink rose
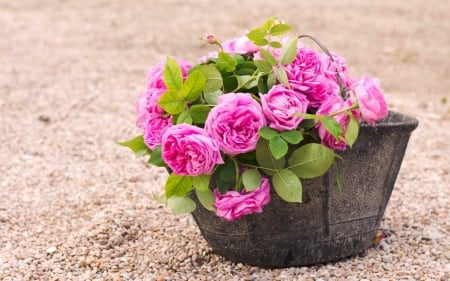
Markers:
point(140, 106)
point(313, 76)
point(304, 71)
point(331, 68)
point(239, 45)
point(234, 123)
point(233, 205)
point(147, 104)
point(155, 128)
point(210, 39)
point(211, 55)
point(155, 74)
point(151, 117)
point(141, 102)
point(153, 97)
point(334, 104)
point(189, 151)
point(321, 91)
point(280, 106)
point(371, 100)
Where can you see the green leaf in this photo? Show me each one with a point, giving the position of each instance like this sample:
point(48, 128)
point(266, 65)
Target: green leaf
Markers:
point(159, 198)
point(156, 158)
point(311, 160)
point(271, 80)
point(288, 186)
point(352, 131)
point(172, 75)
point(307, 124)
point(240, 59)
point(266, 160)
point(292, 137)
point(280, 29)
point(268, 57)
point(257, 34)
point(278, 147)
point(263, 66)
point(247, 81)
point(262, 85)
point(181, 204)
point(275, 44)
point(247, 158)
point(214, 80)
point(212, 97)
point(289, 51)
point(201, 182)
point(230, 83)
point(307, 116)
point(225, 176)
point(332, 126)
point(282, 77)
point(193, 86)
point(250, 65)
point(226, 62)
point(251, 179)
point(178, 185)
point(137, 145)
point(269, 23)
point(227, 172)
point(267, 133)
point(194, 68)
point(245, 71)
point(261, 42)
point(184, 117)
point(199, 113)
point(224, 186)
point(171, 102)
point(206, 198)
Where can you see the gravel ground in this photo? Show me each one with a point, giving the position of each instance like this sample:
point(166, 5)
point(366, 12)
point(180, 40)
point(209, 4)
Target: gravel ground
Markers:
point(75, 206)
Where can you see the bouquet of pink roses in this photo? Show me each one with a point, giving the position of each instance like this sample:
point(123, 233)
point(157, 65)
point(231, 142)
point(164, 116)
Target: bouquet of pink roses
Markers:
point(264, 112)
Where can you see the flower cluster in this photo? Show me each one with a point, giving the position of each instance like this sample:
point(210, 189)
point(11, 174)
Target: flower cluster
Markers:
point(263, 112)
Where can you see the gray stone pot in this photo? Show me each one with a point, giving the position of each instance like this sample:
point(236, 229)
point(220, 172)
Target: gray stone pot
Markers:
point(328, 225)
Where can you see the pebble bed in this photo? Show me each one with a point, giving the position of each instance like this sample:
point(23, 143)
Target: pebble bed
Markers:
point(76, 206)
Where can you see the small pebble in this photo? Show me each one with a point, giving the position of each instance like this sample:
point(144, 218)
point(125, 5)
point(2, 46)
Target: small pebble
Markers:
point(51, 250)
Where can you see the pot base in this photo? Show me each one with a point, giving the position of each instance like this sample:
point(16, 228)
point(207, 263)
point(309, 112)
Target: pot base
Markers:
point(328, 225)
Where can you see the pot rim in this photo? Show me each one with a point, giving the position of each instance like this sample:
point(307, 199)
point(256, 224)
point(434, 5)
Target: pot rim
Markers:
point(397, 120)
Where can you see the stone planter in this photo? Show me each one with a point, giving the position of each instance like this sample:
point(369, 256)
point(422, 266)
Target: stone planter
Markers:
point(329, 224)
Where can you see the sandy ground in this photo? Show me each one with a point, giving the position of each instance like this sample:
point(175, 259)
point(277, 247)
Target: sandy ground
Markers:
point(75, 206)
